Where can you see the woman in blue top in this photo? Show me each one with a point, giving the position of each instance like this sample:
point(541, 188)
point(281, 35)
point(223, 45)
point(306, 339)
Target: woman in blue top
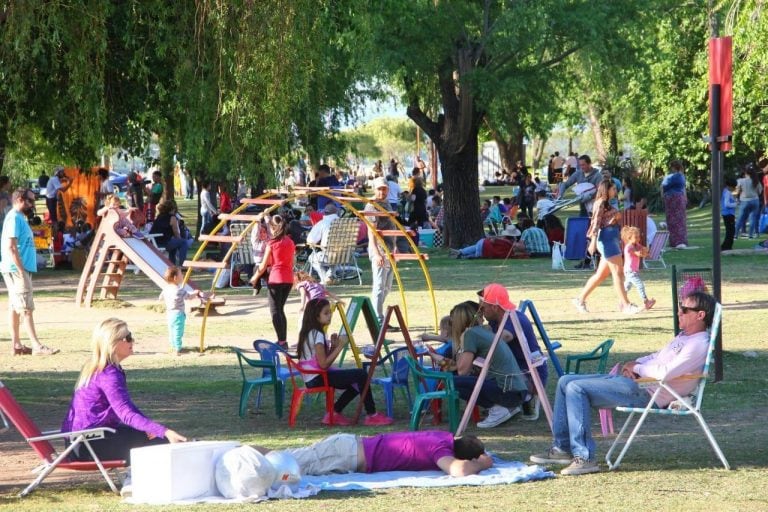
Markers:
point(675, 203)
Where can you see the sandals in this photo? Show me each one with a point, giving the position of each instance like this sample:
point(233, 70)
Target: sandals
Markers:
point(44, 351)
point(22, 350)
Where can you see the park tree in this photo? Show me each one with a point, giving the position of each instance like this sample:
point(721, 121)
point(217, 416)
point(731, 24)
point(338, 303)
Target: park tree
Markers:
point(385, 138)
point(454, 60)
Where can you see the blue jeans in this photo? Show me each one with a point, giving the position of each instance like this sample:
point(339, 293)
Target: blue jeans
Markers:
point(633, 278)
point(473, 251)
point(750, 210)
point(576, 395)
point(176, 321)
point(177, 249)
point(490, 393)
point(382, 285)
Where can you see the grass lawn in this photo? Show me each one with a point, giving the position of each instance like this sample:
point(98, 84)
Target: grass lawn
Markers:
point(670, 466)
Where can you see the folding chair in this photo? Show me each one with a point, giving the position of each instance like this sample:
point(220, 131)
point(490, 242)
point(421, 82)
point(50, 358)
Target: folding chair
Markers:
point(684, 406)
point(527, 306)
point(576, 242)
point(41, 443)
point(656, 251)
point(339, 250)
point(268, 377)
point(297, 369)
point(242, 256)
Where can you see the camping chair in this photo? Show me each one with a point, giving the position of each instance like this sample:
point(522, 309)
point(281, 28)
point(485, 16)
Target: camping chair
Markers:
point(297, 369)
point(682, 406)
point(399, 378)
point(599, 354)
point(576, 242)
point(426, 386)
point(41, 443)
point(656, 251)
point(527, 305)
point(339, 250)
point(684, 282)
point(268, 377)
point(242, 255)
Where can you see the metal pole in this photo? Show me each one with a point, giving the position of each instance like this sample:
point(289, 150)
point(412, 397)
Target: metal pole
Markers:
point(716, 179)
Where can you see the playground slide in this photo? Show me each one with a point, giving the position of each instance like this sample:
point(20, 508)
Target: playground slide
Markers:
point(148, 259)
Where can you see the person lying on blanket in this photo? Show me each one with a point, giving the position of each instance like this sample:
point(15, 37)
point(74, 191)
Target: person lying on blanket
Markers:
point(394, 451)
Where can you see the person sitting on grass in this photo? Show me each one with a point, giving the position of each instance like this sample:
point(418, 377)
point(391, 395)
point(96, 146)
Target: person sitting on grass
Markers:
point(393, 451)
point(576, 394)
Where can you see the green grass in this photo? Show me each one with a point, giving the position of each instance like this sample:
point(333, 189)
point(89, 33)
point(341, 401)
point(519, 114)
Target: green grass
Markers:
point(670, 466)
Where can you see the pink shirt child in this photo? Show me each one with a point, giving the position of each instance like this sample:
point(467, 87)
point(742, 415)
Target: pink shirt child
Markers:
point(631, 259)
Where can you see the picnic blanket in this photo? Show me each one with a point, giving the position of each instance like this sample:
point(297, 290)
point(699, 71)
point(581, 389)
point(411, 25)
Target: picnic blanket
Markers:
point(502, 472)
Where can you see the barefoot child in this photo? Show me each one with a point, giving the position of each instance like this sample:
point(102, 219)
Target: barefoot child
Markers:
point(174, 295)
point(633, 251)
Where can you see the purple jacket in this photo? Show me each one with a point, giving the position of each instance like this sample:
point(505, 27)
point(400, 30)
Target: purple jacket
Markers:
point(105, 402)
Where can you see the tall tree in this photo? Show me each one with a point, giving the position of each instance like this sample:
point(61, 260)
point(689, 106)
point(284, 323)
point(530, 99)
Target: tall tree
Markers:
point(459, 58)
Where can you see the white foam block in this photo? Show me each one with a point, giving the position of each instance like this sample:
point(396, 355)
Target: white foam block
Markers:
point(171, 472)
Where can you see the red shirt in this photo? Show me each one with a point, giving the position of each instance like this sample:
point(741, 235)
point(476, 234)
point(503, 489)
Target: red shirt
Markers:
point(281, 260)
point(225, 202)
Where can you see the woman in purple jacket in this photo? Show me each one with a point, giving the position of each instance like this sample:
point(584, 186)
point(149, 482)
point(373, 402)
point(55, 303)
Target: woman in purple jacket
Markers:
point(101, 399)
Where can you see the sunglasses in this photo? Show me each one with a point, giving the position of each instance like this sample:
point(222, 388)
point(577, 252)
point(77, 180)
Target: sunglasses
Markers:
point(687, 309)
point(129, 338)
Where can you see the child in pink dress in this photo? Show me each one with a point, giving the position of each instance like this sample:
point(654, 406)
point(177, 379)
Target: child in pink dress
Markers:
point(633, 251)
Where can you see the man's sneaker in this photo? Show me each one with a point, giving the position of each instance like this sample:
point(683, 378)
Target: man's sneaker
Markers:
point(338, 419)
point(581, 466)
point(497, 415)
point(126, 491)
point(377, 419)
point(531, 409)
point(552, 456)
point(580, 305)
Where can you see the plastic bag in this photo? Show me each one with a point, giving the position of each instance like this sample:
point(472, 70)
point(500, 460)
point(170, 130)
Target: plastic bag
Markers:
point(558, 250)
point(243, 472)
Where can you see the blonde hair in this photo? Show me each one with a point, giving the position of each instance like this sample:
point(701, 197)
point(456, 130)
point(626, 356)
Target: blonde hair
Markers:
point(171, 273)
point(629, 233)
point(301, 276)
point(106, 336)
point(111, 198)
point(445, 324)
point(463, 316)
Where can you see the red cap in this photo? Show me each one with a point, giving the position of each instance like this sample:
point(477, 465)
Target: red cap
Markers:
point(495, 294)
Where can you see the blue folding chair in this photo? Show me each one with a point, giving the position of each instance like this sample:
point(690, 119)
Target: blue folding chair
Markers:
point(576, 242)
point(527, 306)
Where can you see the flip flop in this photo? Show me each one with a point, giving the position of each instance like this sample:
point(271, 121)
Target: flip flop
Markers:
point(23, 350)
point(44, 351)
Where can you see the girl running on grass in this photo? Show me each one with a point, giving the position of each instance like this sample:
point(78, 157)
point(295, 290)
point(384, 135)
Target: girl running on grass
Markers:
point(633, 251)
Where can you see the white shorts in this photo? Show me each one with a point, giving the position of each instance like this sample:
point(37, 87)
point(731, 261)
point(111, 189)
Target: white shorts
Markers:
point(19, 286)
point(334, 454)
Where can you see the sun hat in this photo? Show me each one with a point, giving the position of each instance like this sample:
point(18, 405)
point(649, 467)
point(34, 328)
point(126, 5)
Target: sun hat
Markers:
point(510, 231)
point(496, 295)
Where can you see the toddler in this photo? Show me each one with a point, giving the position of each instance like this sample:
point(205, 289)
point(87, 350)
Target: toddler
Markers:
point(633, 251)
point(174, 295)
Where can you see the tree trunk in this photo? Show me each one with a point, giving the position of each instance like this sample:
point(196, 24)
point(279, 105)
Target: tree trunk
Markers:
point(511, 148)
point(167, 150)
point(461, 195)
point(613, 139)
point(538, 151)
point(597, 132)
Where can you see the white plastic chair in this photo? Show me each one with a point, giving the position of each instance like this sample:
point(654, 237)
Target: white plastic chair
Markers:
point(684, 406)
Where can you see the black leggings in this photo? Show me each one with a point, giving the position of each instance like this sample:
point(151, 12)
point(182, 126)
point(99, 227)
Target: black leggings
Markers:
point(278, 295)
point(116, 446)
point(352, 382)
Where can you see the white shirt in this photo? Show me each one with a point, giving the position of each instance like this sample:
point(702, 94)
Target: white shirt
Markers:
point(318, 235)
point(206, 206)
point(393, 195)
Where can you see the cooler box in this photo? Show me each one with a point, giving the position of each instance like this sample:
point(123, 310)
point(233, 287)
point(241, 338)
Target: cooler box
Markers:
point(427, 237)
point(170, 472)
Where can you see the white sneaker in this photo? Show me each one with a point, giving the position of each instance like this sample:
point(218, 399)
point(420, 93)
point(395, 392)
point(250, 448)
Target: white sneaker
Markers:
point(580, 305)
point(630, 309)
point(681, 246)
point(497, 415)
point(127, 490)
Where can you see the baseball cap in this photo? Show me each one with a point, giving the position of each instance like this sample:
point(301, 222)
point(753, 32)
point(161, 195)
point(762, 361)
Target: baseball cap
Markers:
point(496, 295)
point(380, 183)
point(58, 170)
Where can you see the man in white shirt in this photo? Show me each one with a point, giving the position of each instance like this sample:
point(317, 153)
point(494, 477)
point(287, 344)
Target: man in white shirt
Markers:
point(576, 394)
point(318, 236)
point(52, 192)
